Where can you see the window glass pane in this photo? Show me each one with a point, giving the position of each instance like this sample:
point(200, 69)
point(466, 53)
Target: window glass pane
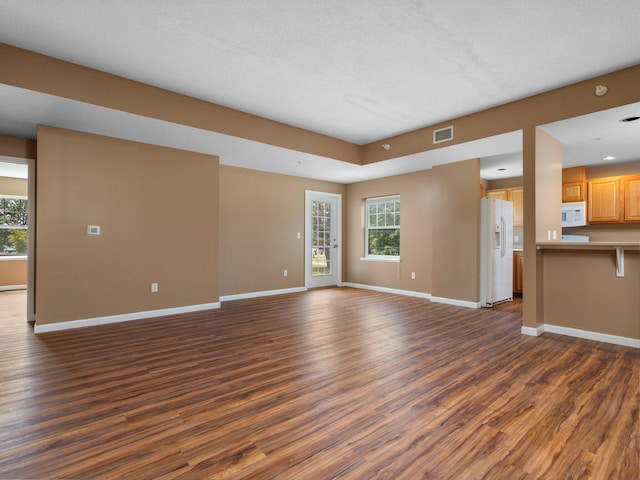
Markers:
point(13, 241)
point(389, 220)
point(384, 242)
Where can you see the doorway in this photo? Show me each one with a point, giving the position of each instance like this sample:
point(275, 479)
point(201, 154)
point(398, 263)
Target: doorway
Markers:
point(16, 227)
point(323, 250)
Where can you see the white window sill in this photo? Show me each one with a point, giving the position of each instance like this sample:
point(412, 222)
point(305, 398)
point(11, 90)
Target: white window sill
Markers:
point(381, 259)
point(7, 258)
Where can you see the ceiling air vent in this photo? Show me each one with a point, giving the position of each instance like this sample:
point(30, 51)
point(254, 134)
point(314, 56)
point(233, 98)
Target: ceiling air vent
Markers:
point(443, 134)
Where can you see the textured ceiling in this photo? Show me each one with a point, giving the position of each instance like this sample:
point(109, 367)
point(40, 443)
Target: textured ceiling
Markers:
point(359, 70)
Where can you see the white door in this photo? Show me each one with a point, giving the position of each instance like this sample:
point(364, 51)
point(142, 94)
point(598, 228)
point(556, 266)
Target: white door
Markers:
point(322, 239)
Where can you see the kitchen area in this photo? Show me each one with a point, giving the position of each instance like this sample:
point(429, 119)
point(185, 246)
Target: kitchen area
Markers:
point(587, 226)
point(591, 271)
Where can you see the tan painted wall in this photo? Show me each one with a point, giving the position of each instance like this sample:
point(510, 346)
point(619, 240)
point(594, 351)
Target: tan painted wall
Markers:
point(157, 208)
point(456, 231)
point(13, 272)
point(17, 147)
point(415, 233)
point(581, 291)
point(615, 169)
point(14, 186)
point(260, 215)
point(548, 187)
point(504, 183)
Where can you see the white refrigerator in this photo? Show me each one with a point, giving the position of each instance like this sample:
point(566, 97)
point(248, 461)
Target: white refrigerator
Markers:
point(496, 251)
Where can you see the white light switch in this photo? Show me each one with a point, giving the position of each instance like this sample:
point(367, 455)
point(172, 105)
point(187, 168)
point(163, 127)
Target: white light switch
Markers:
point(93, 230)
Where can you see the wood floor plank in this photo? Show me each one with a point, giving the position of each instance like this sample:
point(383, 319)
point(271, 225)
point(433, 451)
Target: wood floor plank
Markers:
point(326, 384)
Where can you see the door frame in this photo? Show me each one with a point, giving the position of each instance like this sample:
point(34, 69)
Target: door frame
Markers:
point(309, 197)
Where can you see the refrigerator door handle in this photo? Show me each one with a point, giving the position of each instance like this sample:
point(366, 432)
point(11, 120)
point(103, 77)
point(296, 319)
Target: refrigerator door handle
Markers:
point(503, 225)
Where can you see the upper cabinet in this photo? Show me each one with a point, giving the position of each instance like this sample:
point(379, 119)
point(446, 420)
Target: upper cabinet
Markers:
point(514, 195)
point(517, 197)
point(574, 184)
point(614, 199)
point(604, 204)
point(631, 187)
point(501, 194)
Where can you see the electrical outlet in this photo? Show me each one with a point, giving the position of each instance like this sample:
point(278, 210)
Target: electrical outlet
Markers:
point(154, 287)
point(413, 275)
point(286, 273)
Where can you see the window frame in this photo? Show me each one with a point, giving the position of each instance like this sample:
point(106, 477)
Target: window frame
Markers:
point(378, 200)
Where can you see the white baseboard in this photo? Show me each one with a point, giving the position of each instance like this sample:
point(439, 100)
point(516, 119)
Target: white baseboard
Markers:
point(534, 332)
point(266, 293)
point(126, 317)
point(408, 293)
point(589, 335)
point(585, 334)
point(457, 303)
point(6, 288)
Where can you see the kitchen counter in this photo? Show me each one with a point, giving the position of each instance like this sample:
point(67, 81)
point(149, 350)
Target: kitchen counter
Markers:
point(588, 245)
point(619, 248)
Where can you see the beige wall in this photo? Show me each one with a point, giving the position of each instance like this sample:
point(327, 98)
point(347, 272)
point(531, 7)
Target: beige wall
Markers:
point(260, 216)
point(612, 170)
point(415, 233)
point(456, 231)
point(497, 184)
point(13, 271)
point(17, 147)
point(581, 291)
point(548, 187)
point(157, 208)
point(14, 186)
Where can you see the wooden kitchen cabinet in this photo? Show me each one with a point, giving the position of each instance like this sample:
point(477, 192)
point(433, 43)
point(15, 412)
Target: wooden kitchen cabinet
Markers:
point(631, 188)
point(604, 200)
point(502, 194)
point(574, 184)
point(515, 195)
point(518, 265)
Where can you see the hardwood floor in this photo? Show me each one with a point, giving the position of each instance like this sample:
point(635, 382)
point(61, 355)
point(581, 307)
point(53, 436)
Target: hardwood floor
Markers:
point(326, 384)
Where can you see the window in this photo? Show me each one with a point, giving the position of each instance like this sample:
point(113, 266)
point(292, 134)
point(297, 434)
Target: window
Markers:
point(383, 227)
point(13, 225)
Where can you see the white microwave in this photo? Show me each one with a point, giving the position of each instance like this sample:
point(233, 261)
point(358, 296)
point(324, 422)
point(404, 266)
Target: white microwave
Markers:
point(574, 214)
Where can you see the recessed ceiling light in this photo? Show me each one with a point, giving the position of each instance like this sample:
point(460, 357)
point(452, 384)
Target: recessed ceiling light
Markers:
point(629, 119)
point(610, 157)
point(501, 169)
